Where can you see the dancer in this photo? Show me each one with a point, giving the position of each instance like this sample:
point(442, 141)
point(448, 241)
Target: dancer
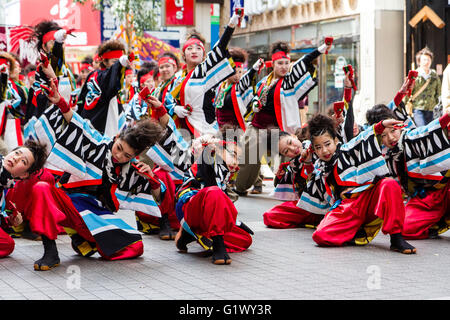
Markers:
point(418, 158)
point(100, 176)
point(350, 188)
point(275, 106)
point(194, 92)
point(21, 163)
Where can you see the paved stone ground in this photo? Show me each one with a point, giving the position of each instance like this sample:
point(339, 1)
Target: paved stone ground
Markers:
point(280, 264)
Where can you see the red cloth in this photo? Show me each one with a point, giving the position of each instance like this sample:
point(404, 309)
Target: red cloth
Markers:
point(51, 206)
point(167, 205)
point(237, 240)
point(6, 244)
point(288, 215)
point(421, 214)
point(383, 201)
point(23, 198)
point(210, 212)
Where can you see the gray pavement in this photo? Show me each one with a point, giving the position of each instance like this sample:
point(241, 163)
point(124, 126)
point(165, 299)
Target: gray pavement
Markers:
point(280, 264)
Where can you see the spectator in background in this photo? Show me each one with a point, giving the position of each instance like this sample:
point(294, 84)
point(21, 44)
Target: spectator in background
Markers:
point(30, 71)
point(426, 91)
point(445, 90)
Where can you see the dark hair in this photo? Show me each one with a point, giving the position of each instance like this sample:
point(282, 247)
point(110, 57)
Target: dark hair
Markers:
point(280, 46)
point(173, 56)
point(143, 71)
point(238, 54)
point(379, 113)
point(145, 133)
point(41, 29)
point(29, 68)
point(196, 35)
point(320, 124)
point(110, 45)
point(88, 60)
point(39, 152)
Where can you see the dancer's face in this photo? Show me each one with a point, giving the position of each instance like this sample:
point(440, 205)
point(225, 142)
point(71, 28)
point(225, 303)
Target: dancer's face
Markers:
point(18, 161)
point(237, 76)
point(166, 71)
point(290, 146)
point(122, 152)
point(390, 137)
point(324, 146)
point(193, 55)
point(230, 154)
point(281, 67)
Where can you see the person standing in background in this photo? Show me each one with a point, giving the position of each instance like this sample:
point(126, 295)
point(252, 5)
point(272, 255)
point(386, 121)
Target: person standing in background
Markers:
point(426, 91)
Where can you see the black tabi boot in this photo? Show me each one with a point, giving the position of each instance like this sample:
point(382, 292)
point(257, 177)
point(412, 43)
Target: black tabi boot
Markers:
point(165, 232)
point(50, 259)
point(398, 243)
point(220, 255)
point(182, 239)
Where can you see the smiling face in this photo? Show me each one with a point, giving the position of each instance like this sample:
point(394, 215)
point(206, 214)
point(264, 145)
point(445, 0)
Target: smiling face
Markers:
point(167, 70)
point(324, 146)
point(390, 137)
point(193, 55)
point(289, 146)
point(281, 67)
point(122, 152)
point(18, 162)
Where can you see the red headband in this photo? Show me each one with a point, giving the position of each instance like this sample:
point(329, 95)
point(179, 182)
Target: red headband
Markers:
point(239, 64)
point(48, 36)
point(114, 54)
point(167, 60)
point(192, 41)
point(4, 61)
point(128, 72)
point(86, 66)
point(145, 77)
point(31, 74)
point(279, 55)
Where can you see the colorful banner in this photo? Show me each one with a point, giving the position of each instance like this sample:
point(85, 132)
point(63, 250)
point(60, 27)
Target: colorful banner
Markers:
point(19, 42)
point(180, 12)
point(151, 48)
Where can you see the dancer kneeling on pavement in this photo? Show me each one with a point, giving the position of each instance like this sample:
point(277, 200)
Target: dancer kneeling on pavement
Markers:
point(20, 164)
point(348, 185)
point(204, 208)
point(291, 177)
point(418, 158)
point(100, 177)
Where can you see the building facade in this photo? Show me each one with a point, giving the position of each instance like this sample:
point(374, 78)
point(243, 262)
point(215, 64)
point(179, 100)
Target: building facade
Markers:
point(369, 34)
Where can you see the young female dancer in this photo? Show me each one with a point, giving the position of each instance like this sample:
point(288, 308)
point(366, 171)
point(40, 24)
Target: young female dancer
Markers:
point(205, 212)
point(194, 92)
point(275, 106)
point(350, 188)
point(100, 176)
point(419, 159)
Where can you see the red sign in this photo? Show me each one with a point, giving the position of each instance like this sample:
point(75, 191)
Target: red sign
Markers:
point(67, 14)
point(180, 12)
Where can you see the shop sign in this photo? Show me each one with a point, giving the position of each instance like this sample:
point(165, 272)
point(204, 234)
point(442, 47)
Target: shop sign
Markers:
point(180, 12)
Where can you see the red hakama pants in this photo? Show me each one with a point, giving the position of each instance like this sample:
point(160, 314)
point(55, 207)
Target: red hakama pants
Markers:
point(421, 214)
point(211, 213)
point(288, 215)
point(167, 205)
point(6, 244)
point(384, 201)
point(52, 206)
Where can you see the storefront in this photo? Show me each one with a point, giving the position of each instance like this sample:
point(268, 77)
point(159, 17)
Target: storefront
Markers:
point(360, 30)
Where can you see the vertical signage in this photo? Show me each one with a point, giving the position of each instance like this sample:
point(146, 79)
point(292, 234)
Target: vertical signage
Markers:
point(108, 23)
